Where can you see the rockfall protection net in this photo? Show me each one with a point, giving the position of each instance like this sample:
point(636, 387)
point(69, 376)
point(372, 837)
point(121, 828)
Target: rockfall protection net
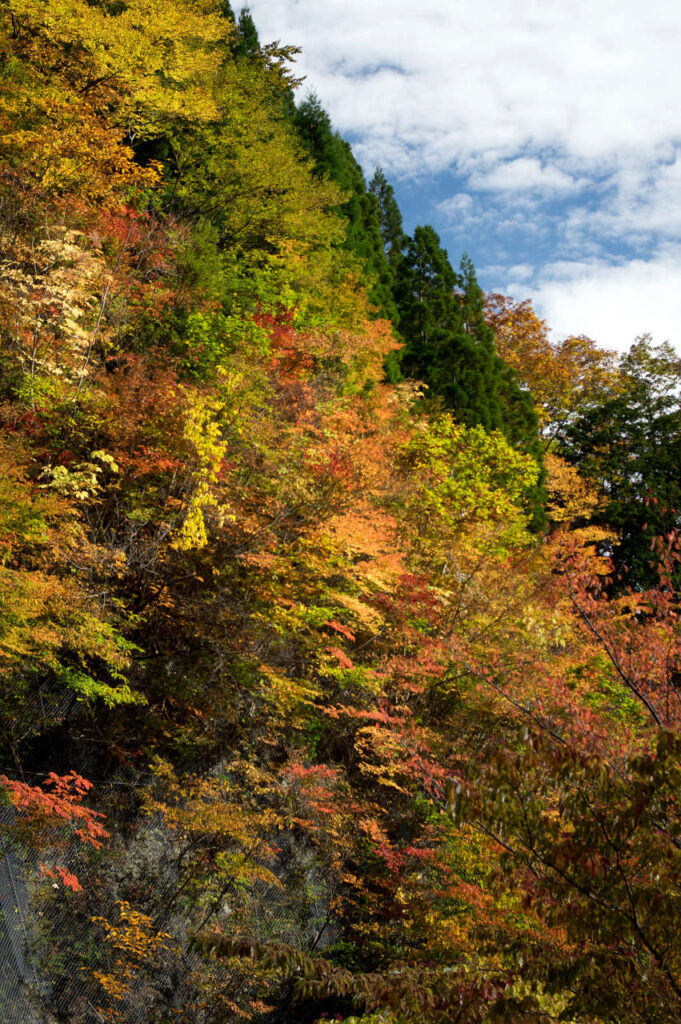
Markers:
point(47, 947)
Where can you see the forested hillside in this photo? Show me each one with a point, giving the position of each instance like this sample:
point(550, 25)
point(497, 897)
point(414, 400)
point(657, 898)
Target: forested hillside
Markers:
point(338, 603)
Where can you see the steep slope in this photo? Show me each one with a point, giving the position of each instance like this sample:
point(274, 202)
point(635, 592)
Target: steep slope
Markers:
point(298, 718)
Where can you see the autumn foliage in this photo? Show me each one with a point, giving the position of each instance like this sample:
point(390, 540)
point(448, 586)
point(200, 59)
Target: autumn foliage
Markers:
point(380, 703)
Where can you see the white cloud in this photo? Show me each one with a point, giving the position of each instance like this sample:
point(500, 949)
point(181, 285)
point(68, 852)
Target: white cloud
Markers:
point(521, 271)
point(524, 174)
point(459, 208)
point(543, 99)
point(589, 78)
point(611, 304)
point(645, 199)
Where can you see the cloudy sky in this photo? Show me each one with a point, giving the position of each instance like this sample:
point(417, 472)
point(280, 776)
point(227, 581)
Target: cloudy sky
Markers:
point(543, 137)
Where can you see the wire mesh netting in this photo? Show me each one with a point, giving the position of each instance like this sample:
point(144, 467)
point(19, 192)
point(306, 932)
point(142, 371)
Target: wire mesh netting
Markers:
point(50, 948)
point(19, 981)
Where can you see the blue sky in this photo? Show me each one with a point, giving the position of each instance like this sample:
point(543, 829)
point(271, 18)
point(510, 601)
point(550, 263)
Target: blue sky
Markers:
point(543, 138)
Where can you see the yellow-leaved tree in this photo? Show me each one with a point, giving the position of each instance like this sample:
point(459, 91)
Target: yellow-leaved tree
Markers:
point(560, 374)
point(84, 81)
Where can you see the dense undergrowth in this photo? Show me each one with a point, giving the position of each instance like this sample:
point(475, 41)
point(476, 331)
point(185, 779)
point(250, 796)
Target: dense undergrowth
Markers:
point(340, 669)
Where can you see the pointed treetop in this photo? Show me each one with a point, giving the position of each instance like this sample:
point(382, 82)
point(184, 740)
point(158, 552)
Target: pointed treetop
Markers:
point(392, 232)
point(250, 42)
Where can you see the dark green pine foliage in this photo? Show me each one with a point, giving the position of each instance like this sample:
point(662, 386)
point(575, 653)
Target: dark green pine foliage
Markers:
point(629, 442)
point(390, 218)
point(248, 43)
point(450, 348)
point(333, 159)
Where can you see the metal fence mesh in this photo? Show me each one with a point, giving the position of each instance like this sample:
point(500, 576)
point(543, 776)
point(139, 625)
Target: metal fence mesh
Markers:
point(45, 946)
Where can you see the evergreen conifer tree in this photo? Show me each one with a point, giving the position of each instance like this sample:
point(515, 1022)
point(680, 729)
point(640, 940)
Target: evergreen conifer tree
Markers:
point(390, 217)
point(249, 42)
point(333, 158)
point(449, 346)
point(629, 442)
point(424, 294)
